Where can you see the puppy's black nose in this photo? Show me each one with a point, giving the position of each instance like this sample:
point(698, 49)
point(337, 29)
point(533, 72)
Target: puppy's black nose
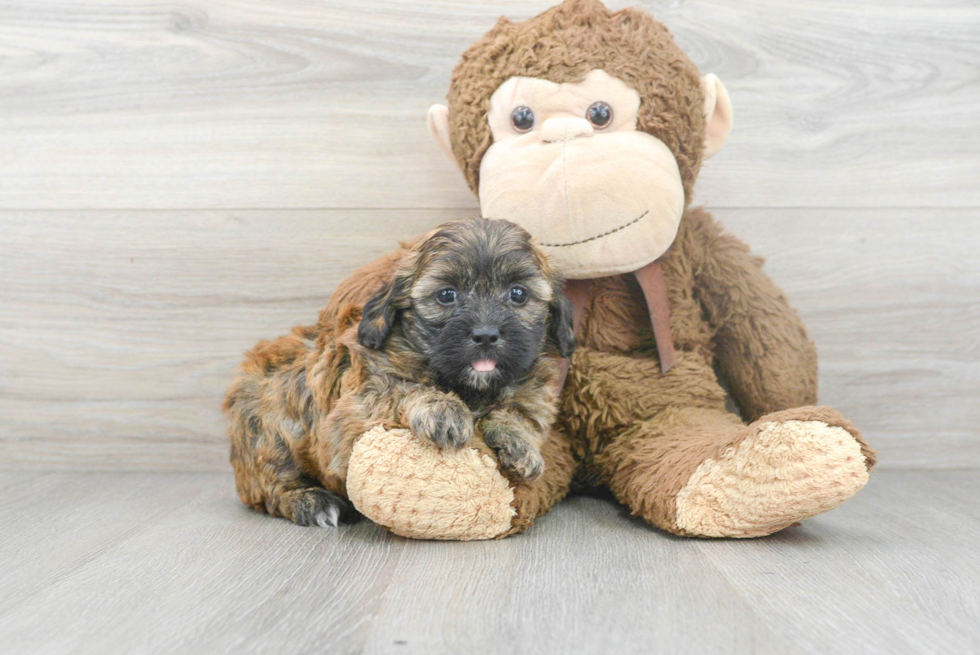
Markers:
point(485, 335)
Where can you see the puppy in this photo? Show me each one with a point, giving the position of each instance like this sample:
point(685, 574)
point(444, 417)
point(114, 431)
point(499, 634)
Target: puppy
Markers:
point(463, 337)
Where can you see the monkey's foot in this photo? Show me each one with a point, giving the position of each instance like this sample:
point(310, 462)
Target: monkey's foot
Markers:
point(417, 490)
point(785, 470)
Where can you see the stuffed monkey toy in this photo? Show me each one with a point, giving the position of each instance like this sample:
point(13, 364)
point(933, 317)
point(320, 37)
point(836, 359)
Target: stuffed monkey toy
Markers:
point(588, 127)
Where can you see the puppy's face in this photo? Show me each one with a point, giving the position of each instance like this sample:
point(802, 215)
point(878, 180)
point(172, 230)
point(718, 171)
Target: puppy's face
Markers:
point(479, 300)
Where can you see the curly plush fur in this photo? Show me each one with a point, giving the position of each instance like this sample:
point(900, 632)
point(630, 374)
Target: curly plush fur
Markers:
point(645, 434)
point(562, 45)
point(664, 443)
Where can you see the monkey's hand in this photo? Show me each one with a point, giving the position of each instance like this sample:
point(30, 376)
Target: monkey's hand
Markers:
point(443, 419)
point(516, 447)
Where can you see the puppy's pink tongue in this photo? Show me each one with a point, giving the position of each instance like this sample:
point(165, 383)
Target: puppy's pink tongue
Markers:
point(484, 365)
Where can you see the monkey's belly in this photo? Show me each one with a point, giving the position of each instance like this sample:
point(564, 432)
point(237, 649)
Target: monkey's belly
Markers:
point(606, 393)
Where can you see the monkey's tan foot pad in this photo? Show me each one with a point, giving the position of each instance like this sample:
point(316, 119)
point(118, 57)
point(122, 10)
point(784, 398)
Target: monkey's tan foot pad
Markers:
point(416, 490)
point(781, 473)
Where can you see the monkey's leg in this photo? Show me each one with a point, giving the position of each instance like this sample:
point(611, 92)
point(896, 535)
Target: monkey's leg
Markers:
point(702, 472)
point(420, 491)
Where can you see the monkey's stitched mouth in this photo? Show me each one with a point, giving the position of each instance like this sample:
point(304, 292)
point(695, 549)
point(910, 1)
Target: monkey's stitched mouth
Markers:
point(598, 236)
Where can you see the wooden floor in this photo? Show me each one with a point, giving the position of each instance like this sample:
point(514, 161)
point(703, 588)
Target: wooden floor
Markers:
point(170, 562)
point(181, 179)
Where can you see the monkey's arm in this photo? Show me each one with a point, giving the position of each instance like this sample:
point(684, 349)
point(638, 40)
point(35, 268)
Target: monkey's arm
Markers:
point(765, 356)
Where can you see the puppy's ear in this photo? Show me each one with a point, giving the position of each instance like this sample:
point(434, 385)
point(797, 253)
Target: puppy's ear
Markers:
point(561, 327)
point(380, 313)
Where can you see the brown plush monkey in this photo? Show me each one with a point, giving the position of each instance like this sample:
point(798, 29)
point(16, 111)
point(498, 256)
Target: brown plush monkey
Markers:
point(588, 128)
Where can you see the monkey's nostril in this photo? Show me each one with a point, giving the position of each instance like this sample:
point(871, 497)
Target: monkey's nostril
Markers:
point(485, 335)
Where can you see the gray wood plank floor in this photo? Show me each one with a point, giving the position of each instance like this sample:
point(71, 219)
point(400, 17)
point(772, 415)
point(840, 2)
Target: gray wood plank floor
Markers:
point(178, 180)
point(171, 563)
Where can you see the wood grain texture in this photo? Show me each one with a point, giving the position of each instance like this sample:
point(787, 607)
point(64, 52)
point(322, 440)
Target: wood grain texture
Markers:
point(77, 518)
point(119, 331)
point(906, 543)
point(613, 587)
point(180, 180)
point(199, 104)
point(892, 572)
point(892, 299)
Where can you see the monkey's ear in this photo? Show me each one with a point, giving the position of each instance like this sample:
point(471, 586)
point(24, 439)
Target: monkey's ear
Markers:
point(379, 316)
point(439, 129)
point(561, 327)
point(717, 114)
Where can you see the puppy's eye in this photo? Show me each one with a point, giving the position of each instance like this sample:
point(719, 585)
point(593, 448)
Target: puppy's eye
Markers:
point(446, 296)
point(599, 114)
point(518, 295)
point(522, 118)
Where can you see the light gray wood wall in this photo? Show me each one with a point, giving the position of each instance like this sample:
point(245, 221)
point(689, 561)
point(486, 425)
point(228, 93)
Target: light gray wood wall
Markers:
point(179, 180)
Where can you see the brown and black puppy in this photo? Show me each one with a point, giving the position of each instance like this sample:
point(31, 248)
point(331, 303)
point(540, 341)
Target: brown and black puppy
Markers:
point(464, 338)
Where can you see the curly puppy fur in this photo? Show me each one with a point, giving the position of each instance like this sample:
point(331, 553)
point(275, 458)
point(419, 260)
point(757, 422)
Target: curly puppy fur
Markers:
point(405, 359)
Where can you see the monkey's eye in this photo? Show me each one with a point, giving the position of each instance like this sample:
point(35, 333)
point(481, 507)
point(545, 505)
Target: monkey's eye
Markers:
point(446, 296)
point(518, 295)
point(599, 114)
point(522, 118)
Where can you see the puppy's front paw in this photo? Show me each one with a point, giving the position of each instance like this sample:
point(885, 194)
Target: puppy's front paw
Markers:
point(516, 450)
point(446, 421)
